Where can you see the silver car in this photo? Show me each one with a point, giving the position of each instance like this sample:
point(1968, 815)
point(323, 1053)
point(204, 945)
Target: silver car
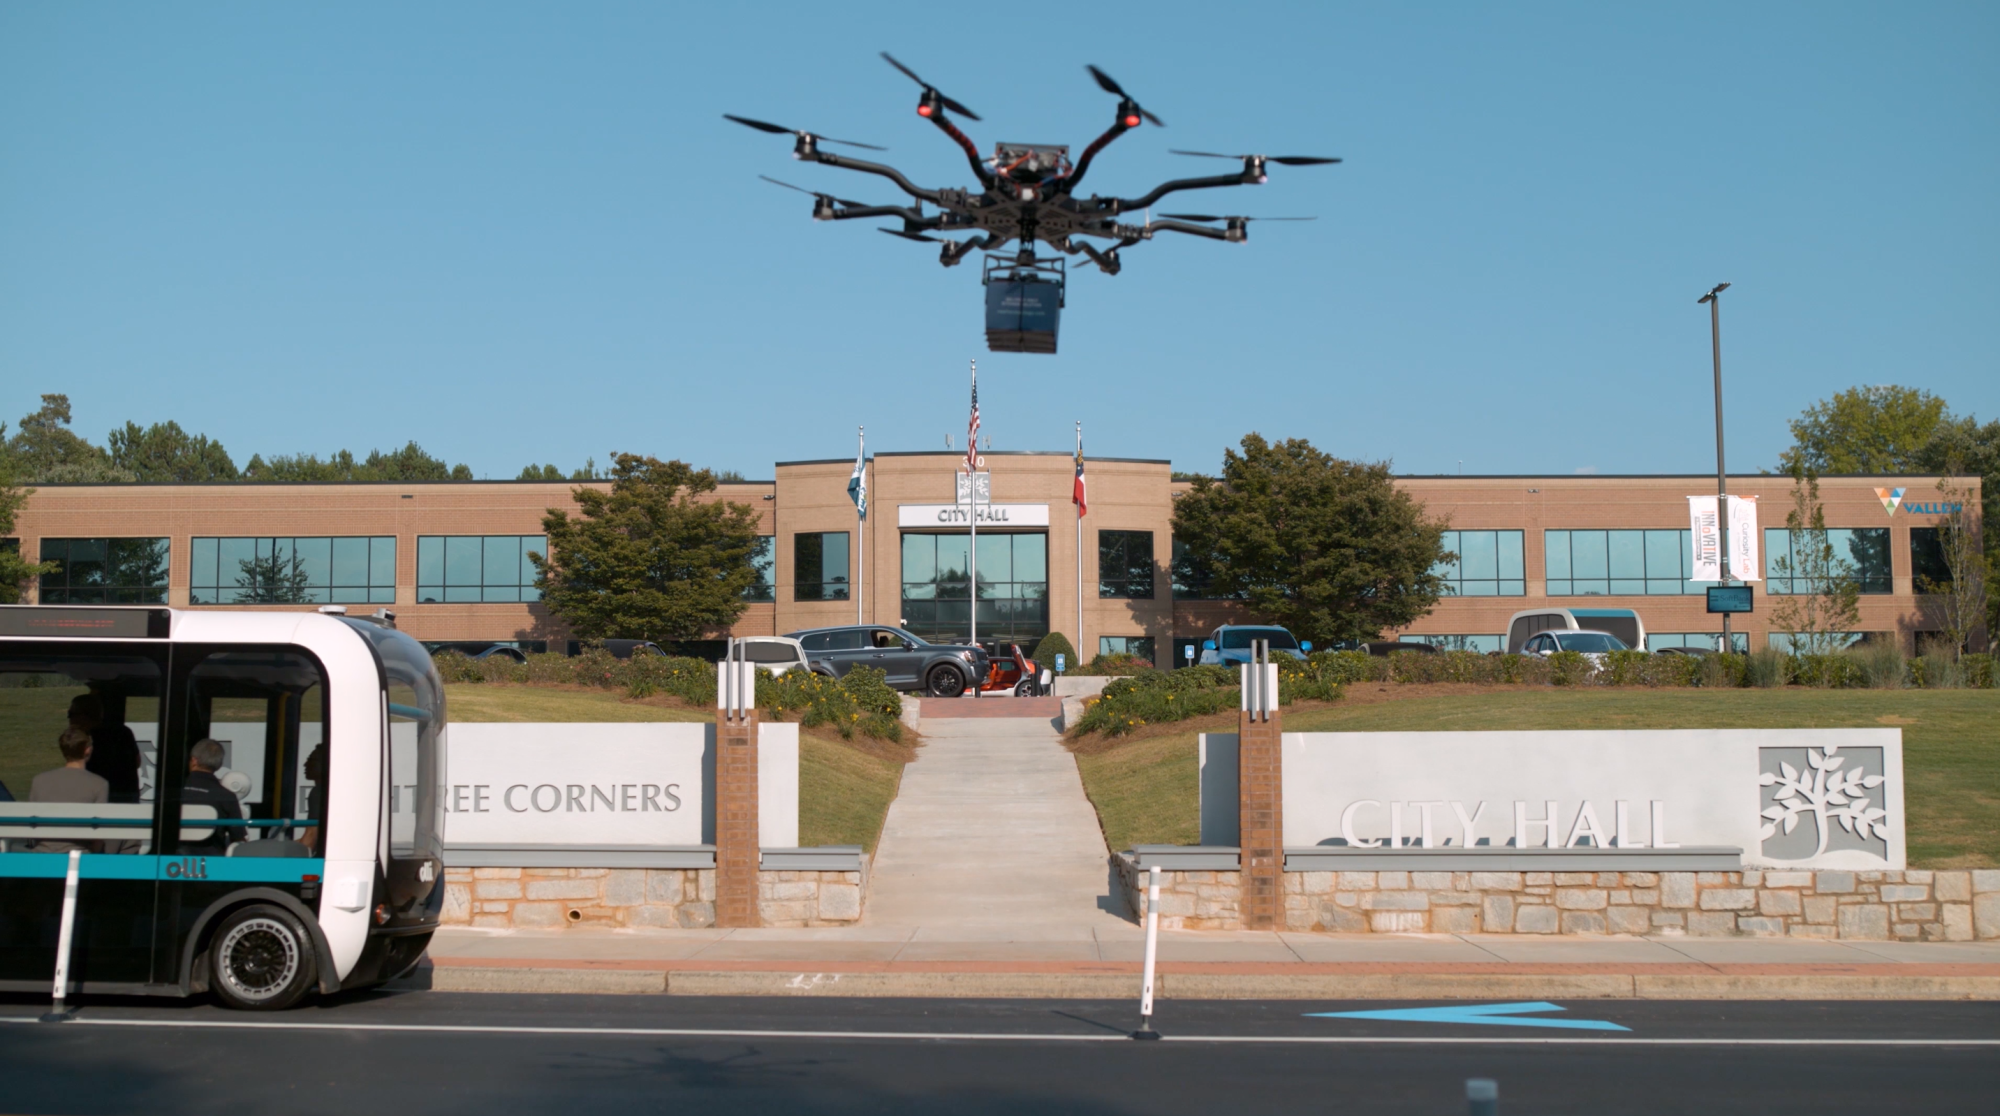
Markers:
point(1592, 645)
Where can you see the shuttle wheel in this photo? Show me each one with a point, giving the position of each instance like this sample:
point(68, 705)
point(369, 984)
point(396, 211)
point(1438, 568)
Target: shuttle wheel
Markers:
point(260, 959)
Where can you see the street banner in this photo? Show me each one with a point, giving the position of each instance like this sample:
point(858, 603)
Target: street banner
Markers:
point(1743, 538)
point(1705, 532)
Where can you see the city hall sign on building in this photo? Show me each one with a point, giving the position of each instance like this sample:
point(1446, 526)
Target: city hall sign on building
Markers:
point(1787, 798)
point(993, 516)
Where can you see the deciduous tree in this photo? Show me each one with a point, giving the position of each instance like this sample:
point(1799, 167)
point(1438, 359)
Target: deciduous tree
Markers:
point(1329, 548)
point(648, 560)
point(1877, 429)
point(165, 452)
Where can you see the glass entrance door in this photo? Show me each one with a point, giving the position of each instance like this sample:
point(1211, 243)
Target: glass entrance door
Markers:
point(1013, 587)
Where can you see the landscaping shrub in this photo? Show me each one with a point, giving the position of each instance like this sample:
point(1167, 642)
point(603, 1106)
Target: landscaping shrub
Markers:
point(1118, 664)
point(1834, 671)
point(1053, 644)
point(1317, 678)
point(862, 701)
point(1158, 697)
point(1937, 671)
point(1978, 671)
point(1768, 668)
point(1724, 671)
point(1637, 668)
point(1569, 668)
point(1881, 665)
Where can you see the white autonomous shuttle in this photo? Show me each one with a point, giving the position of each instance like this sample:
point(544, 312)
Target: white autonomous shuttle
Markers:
point(303, 855)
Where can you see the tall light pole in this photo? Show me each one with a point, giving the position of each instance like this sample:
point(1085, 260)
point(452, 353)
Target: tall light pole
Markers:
point(1714, 300)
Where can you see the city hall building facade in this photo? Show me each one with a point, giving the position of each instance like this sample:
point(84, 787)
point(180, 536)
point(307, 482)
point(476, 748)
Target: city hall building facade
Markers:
point(450, 558)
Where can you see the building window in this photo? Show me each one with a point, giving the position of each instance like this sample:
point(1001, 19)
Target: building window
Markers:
point(1701, 641)
point(105, 571)
point(763, 560)
point(1620, 563)
point(1136, 646)
point(1125, 565)
point(1479, 643)
point(1858, 552)
point(467, 569)
point(1013, 587)
point(1490, 564)
point(1928, 569)
point(819, 566)
point(358, 570)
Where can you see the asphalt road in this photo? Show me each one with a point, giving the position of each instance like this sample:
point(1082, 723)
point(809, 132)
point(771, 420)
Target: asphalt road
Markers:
point(429, 1052)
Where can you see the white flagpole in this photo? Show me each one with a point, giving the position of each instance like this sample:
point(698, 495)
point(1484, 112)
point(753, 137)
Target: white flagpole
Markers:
point(861, 522)
point(1079, 554)
point(972, 501)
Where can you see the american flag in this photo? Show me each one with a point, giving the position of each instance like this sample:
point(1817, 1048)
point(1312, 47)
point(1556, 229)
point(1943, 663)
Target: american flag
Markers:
point(972, 427)
point(1077, 493)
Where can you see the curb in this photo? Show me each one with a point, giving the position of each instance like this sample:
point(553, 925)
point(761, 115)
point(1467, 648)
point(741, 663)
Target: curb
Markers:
point(1364, 983)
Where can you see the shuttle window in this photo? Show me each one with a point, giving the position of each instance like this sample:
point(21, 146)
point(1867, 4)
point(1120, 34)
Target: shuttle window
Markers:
point(79, 739)
point(253, 756)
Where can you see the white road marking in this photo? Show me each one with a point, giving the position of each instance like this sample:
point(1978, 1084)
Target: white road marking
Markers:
point(981, 1036)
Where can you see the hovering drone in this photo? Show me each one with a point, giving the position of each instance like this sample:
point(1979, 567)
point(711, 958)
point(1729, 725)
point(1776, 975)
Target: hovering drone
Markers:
point(1027, 194)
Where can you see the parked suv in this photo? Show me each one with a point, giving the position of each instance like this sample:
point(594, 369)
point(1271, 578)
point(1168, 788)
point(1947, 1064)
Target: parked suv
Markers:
point(1230, 644)
point(938, 669)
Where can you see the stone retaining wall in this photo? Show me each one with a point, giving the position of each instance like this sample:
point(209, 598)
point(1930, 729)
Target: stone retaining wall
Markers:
point(1952, 906)
point(669, 898)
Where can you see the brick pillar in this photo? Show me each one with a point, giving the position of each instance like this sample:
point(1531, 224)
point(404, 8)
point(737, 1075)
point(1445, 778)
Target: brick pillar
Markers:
point(1260, 813)
point(737, 853)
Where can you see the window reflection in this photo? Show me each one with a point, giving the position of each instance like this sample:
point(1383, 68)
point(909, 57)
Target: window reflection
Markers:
point(105, 571)
point(454, 569)
point(320, 570)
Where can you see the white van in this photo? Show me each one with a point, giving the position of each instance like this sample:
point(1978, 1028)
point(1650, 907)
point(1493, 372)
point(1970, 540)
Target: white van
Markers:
point(776, 654)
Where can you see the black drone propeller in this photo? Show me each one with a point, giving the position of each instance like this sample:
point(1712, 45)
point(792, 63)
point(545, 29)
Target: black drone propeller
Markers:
point(911, 236)
point(1105, 83)
point(930, 89)
point(781, 130)
point(1286, 160)
point(814, 193)
point(1211, 217)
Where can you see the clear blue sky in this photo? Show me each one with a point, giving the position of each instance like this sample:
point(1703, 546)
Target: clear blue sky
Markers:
point(523, 232)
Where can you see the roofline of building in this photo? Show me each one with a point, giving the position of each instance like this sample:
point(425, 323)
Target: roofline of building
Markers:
point(995, 453)
point(1065, 455)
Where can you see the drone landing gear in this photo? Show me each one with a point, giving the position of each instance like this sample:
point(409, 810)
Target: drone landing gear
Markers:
point(1024, 301)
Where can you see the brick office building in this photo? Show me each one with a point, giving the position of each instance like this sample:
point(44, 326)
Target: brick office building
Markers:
point(450, 557)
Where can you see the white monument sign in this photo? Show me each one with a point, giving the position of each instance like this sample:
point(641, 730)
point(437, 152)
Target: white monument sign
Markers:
point(606, 785)
point(1799, 798)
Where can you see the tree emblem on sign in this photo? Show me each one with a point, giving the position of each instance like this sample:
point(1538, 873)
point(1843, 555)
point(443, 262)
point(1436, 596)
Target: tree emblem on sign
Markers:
point(1826, 792)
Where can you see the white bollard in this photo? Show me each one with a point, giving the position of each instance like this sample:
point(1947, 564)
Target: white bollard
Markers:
point(64, 938)
point(1146, 1030)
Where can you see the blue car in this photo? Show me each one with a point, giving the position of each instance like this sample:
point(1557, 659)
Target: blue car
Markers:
point(1231, 643)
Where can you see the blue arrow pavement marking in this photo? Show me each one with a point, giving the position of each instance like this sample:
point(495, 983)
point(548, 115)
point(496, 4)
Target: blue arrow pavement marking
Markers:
point(1493, 1015)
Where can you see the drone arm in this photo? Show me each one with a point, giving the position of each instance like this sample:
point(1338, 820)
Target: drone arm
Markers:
point(1121, 205)
point(890, 173)
point(1194, 230)
point(964, 142)
point(907, 213)
point(1089, 153)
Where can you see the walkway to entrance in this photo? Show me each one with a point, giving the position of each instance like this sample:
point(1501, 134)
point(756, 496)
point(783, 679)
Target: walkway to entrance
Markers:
point(991, 838)
point(991, 706)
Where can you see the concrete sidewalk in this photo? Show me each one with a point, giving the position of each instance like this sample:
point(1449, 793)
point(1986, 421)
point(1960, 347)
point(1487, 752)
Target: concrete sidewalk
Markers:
point(1103, 963)
point(990, 836)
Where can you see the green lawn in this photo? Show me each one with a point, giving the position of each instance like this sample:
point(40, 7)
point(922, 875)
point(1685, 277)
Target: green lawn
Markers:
point(1145, 789)
point(844, 787)
point(30, 721)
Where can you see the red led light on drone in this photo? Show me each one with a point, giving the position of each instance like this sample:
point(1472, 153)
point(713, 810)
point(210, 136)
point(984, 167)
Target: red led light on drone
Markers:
point(923, 110)
point(1132, 121)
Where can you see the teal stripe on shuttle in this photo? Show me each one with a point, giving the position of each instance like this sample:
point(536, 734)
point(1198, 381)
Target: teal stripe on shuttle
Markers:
point(111, 866)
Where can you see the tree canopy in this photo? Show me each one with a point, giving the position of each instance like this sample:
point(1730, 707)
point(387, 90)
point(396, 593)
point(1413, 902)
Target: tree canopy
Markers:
point(1328, 548)
point(647, 560)
point(165, 452)
point(46, 451)
point(1874, 429)
point(410, 463)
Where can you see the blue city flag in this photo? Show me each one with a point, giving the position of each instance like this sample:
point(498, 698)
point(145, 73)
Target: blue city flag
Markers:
point(857, 486)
